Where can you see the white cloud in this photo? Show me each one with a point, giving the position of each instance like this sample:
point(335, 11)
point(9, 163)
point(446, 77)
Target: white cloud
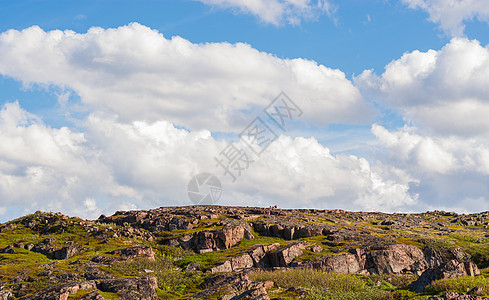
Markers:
point(451, 14)
point(433, 154)
point(138, 74)
point(442, 97)
point(47, 168)
point(90, 204)
point(302, 173)
point(451, 172)
point(277, 12)
point(114, 165)
point(444, 91)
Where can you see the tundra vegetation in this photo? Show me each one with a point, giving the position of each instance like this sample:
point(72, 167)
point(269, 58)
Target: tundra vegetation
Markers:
point(217, 252)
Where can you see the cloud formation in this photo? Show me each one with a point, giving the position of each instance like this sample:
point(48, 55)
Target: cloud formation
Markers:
point(451, 14)
point(138, 74)
point(443, 91)
point(140, 89)
point(442, 97)
point(278, 12)
point(451, 172)
point(114, 165)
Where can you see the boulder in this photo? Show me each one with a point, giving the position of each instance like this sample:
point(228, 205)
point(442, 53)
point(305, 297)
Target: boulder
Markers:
point(6, 295)
point(69, 251)
point(397, 258)
point(142, 288)
point(93, 295)
point(7, 227)
point(204, 241)
point(449, 269)
point(315, 248)
point(125, 254)
point(193, 267)
point(235, 263)
point(457, 296)
point(285, 255)
point(61, 291)
point(288, 230)
point(9, 250)
point(234, 286)
point(346, 264)
point(134, 252)
point(258, 254)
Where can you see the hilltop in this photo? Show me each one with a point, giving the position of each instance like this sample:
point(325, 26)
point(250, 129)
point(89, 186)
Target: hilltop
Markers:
point(218, 252)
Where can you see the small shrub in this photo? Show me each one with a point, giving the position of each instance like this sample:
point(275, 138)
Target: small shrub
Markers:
point(461, 285)
point(173, 252)
point(311, 279)
point(442, 246)
point(469, 238)
point(365, 294)
point(169, 277)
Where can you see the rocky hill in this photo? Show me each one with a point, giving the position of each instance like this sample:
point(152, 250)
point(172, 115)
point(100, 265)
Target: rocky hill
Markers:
point(216, 252)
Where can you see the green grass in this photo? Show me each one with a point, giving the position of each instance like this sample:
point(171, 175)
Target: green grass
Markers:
point(170, 279)
point(325, 285)
point(307, 278)
point(461, 285)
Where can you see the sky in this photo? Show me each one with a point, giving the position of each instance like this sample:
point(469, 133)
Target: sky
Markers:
point(375, 105)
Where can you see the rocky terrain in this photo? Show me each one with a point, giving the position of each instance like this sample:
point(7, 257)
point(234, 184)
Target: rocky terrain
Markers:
point(216, 252)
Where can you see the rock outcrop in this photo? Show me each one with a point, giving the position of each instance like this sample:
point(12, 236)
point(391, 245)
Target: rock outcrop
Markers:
point(283, 256)
point(68, 251)
point(229, 235)
point(458, 296)
point(450, 269)
point(390, 259)
point(142, 288)
point(328, 240)
point(234, 286)
point(126, 254)
point(262, 256)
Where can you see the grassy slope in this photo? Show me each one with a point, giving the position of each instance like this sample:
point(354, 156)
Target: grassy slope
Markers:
point(174, 283)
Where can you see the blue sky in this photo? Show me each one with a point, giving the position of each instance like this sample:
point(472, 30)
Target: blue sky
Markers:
point(394, 95)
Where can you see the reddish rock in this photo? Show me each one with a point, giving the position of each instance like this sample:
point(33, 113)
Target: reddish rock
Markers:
point(193, 267)
point(315, 248)
point(398, 258)
point(69, 251)
point(228, 236)
point(126, 254)
point(142, 288)
point(457, 296)
point(133, 252)
point(450, 269)
point(259, 254)
point(7, 227)
point(346, 264)
point(234, 286)
point(285, 255)
point(5, 295)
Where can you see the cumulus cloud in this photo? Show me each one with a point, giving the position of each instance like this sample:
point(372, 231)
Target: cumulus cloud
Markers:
point(47, 168)
point(302, 173)
point(114, 165)
point(277, 12)
point(451, 172)
point(442, 97)
point(443, 91)
point(433, 154)
point(138, 74)
point(451, 14)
